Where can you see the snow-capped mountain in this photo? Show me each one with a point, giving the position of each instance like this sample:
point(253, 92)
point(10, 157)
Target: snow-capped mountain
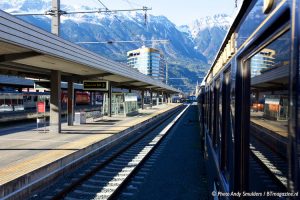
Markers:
point(188, 53)
point(221, 21)
point(208, 33)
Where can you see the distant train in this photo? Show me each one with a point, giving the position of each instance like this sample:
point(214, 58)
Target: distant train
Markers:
point(81, 98)
point(249, 105)
point(16, 101)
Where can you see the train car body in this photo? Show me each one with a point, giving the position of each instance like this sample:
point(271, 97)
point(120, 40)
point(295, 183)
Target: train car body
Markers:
point(17, 101)
point(81, 98)
point(10, 101)
point(249, 108)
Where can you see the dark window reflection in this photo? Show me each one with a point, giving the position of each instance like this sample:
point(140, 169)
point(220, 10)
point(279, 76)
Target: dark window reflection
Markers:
point(252, 21)
point(269, 114)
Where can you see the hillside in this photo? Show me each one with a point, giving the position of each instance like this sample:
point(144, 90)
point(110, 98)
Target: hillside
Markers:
point(189, 52)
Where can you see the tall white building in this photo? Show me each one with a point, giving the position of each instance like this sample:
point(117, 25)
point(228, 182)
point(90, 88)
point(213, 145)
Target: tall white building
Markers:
point(148, 61)
point(262, 61)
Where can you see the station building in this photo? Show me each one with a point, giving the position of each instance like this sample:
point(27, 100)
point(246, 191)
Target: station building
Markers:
point(148, 61)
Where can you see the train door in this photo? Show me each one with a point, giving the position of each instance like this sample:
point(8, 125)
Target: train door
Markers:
point(263, 107)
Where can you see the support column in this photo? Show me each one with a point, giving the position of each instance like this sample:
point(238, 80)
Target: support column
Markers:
point(151, 96)
point(91, 97)
point(70, 103)
point(94, 98)
point(142, 99)
point(109, 99)
point(55, 102)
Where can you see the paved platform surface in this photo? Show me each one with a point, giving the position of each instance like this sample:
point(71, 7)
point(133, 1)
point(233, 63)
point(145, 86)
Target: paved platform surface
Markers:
point(276, 127)
point(24, 148)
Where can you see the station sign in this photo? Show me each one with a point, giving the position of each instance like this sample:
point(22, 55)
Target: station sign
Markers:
point(95, 85)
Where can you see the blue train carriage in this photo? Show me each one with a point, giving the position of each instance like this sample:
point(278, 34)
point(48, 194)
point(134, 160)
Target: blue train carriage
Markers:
point(249, 108)
point(10, 101)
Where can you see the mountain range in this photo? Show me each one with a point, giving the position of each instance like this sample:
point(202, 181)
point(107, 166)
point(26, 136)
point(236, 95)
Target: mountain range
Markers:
point(189, 52)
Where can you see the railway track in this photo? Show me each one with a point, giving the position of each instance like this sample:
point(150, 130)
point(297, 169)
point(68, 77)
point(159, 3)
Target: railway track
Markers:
point(105, 175)
point(272, 165)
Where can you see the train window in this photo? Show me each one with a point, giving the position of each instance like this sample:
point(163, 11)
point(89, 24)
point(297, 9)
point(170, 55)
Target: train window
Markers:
point(211, 100)
point(269, 101)
point(225, 124)
point(14, 101)
point(216, 136)
point(205, 105)
point(207, 108)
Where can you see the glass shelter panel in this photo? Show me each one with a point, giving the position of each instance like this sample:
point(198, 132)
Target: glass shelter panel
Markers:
point(269, 100)
point(122, 104)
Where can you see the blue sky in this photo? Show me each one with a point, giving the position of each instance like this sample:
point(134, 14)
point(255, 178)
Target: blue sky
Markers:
point(178, 11)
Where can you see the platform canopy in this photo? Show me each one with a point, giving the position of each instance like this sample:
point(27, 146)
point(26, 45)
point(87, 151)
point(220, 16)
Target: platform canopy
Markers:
point(28, 51)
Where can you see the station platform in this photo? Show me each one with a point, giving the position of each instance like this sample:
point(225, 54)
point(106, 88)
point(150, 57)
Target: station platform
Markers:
point(29, 155)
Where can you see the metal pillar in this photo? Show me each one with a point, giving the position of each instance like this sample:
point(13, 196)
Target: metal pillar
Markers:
point(55, 102)
point(91, 98)
point(94, 98)
point(151, 96)
point(70, 103)
point(143, 99)
point(109, 100)
point(55, 21)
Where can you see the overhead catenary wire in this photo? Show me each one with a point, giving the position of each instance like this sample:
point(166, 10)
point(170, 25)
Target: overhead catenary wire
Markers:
point(51, 12)
point(56, 13)
point(121, 22)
